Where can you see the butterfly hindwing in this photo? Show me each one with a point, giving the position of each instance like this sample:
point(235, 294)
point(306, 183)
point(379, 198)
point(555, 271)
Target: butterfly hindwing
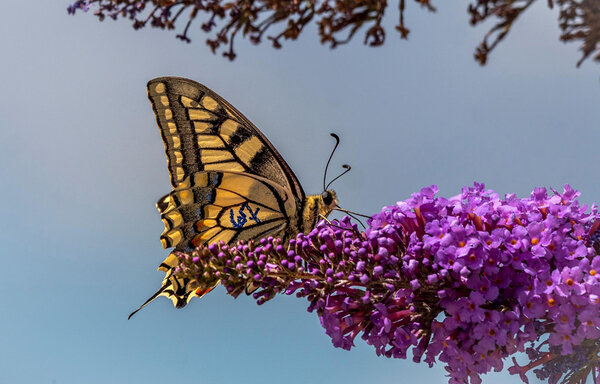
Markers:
point(224, 206)
point(203, 132)
point(215, 206)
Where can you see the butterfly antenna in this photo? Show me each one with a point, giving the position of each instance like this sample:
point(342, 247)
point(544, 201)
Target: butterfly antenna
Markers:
point(337, 142)
point(347, 167)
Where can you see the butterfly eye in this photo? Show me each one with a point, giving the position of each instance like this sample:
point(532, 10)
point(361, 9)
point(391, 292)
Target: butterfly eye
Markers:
point(327, 198)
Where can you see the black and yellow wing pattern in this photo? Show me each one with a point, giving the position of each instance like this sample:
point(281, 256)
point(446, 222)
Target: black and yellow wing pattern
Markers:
point(224, 206)
point(203, 132)
point(229, 182)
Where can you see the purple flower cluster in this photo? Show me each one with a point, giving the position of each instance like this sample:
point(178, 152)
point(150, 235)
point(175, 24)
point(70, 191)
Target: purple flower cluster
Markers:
point(467, 281)
point(513, 270)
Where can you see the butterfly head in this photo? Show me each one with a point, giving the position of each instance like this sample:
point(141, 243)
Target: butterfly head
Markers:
point(327, 202)
point(315, 208)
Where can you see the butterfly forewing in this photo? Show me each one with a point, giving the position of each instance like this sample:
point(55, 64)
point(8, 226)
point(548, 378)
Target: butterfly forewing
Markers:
point(203, 132)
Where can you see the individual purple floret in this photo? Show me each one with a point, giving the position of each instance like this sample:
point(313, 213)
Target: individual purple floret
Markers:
point(467, 281)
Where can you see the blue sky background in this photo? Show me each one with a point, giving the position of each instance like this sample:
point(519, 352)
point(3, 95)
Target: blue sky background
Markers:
point(83, 164)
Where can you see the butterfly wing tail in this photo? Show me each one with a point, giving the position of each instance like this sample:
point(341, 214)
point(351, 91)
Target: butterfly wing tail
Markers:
point(147, 301)
point(179, 290)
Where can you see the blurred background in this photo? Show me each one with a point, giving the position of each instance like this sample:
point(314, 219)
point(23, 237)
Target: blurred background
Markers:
point(82, 165)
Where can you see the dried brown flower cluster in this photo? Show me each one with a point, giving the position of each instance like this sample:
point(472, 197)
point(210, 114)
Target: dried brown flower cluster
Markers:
point(337, 20)
point(578, 20)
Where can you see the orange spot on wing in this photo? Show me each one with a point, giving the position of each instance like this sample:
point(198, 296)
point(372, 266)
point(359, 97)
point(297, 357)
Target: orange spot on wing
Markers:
point(199, 292)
